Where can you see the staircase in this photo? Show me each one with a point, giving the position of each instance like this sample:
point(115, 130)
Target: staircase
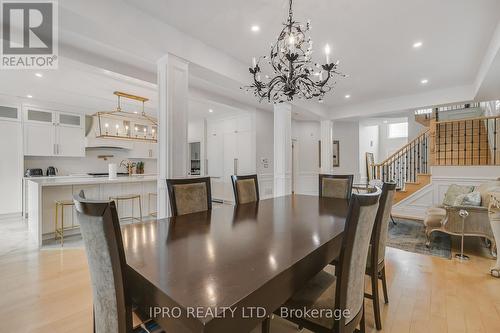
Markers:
point(454, 142)
point(408, 167)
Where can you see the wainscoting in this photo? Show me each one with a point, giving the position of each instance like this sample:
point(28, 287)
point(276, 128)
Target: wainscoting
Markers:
point(306, 183)
point(431, 195)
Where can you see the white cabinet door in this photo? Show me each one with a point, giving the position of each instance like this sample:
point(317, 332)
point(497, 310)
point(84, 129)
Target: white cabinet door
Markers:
point(215, 155)
point(70, 141)
point(245, 153)
point(153, 147)
point(39, 139)
point(140, 150)
point(10, 167)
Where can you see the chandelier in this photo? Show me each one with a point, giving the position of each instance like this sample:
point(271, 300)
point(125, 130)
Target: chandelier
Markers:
point(295, 75)
point(126, 125)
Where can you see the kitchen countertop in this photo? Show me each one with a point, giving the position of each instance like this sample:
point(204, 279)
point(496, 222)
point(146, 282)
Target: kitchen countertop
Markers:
point(85, 180)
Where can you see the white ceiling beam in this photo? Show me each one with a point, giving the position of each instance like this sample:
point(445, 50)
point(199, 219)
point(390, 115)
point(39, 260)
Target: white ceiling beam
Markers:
point(487, 82)
point(402, 103)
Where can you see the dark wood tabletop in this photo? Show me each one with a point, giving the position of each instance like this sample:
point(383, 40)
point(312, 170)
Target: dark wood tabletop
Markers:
point(253, 255)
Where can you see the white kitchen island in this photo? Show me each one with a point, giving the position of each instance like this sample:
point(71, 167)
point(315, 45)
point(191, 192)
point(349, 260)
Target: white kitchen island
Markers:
point(42, 194)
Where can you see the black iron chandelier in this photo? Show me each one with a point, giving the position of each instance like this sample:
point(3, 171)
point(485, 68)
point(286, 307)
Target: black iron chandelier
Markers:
point(295, 75)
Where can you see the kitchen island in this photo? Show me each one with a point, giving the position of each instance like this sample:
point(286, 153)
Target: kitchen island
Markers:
point(42, 194)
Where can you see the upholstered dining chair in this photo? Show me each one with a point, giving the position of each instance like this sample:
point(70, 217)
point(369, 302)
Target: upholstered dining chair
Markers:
point(343, 290)
point(190, 195)
point(100, 228)
point(335, 186)
point(245, 188)
point(375, 263)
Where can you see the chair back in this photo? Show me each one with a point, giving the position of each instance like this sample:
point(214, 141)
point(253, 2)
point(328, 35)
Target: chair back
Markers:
point(352, 261)
point(102, 237)
point(245, 188)
point(381, 227)
point(335, 186)
point(190, 195)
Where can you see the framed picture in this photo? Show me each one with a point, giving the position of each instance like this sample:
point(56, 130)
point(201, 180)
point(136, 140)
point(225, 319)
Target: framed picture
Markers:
point(336, 153)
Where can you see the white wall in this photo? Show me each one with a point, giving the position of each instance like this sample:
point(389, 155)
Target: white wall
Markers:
point(306, 135)
point(347, 132)
point(414, 128)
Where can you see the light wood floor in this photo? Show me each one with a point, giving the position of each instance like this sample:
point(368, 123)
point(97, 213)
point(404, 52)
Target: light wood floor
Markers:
point(49, 291)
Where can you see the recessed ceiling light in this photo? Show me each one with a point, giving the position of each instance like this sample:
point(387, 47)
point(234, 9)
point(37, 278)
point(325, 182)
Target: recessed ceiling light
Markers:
point(255, 28)
point(29, 96)
point(38, 74)
point(210, 110)
point(424, 81)
point(417, 45)
point(347, 96)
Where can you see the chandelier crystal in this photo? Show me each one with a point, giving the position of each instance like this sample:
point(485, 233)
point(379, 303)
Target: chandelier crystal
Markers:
point(295, 74)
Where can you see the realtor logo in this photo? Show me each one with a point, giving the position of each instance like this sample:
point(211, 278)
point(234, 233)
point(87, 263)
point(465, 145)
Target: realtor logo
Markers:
point(29, 35)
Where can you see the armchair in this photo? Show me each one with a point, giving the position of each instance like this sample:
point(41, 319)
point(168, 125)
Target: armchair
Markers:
point(445, 218)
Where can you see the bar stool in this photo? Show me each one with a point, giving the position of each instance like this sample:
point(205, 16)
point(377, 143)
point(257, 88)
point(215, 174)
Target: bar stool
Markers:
point(129, 197)
point(60, 231)
point(151, 194)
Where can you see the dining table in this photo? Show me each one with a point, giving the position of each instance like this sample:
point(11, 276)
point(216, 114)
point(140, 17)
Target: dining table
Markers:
point(227, 269)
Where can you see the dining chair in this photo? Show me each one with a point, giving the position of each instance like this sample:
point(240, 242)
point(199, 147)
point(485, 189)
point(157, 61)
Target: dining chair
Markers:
point(335, 186)
point(343, 290)
point(376, 251)
point(245, 188)
point(190, 195)
point(100, 228)
point(375, 264)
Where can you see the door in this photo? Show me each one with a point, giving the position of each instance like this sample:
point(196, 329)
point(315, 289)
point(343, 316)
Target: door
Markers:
point(245, 153)
point(70, 141)
point(11, 167)
point(39, 139)
point(70, 135)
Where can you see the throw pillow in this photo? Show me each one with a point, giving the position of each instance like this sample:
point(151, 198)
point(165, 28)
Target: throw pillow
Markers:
point(469, 199)
point(454, 191)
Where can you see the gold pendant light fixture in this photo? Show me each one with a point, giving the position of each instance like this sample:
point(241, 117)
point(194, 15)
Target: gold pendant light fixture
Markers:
point(119, 124)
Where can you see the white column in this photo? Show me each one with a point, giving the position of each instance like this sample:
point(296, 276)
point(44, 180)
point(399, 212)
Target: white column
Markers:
point(326, 147)
point(282, 149)
point(172, 126)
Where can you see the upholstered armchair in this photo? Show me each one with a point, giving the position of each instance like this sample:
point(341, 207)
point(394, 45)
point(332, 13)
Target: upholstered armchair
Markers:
point(446, 218)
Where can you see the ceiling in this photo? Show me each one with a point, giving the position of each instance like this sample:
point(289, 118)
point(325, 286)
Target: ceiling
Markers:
point(77, 87)
point(372, 39)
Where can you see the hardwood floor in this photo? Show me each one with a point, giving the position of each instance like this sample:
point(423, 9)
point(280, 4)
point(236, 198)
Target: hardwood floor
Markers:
point(49, 291)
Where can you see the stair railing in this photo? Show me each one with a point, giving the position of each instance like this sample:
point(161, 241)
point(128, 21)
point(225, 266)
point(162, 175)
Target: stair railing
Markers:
point(472, 141)
point(405, 164)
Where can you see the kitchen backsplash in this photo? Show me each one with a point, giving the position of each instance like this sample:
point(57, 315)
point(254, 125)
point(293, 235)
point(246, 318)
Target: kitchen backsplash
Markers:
point(90, 163)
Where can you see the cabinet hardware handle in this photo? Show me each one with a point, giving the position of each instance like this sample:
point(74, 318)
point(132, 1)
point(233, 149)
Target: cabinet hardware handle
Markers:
point(235, 167)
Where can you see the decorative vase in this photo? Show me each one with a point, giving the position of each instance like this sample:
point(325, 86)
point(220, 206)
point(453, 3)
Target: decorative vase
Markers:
point(494, 215)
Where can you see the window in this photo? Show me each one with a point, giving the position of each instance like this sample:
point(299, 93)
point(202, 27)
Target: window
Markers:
point(398, 130)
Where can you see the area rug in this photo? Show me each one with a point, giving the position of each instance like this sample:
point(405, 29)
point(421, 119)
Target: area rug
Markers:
point(409, 236)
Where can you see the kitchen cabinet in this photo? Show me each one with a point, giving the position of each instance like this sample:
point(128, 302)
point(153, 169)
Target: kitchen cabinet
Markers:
point(230, 151)
point(11, 163)
point(144, 150)
point(50, 133)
